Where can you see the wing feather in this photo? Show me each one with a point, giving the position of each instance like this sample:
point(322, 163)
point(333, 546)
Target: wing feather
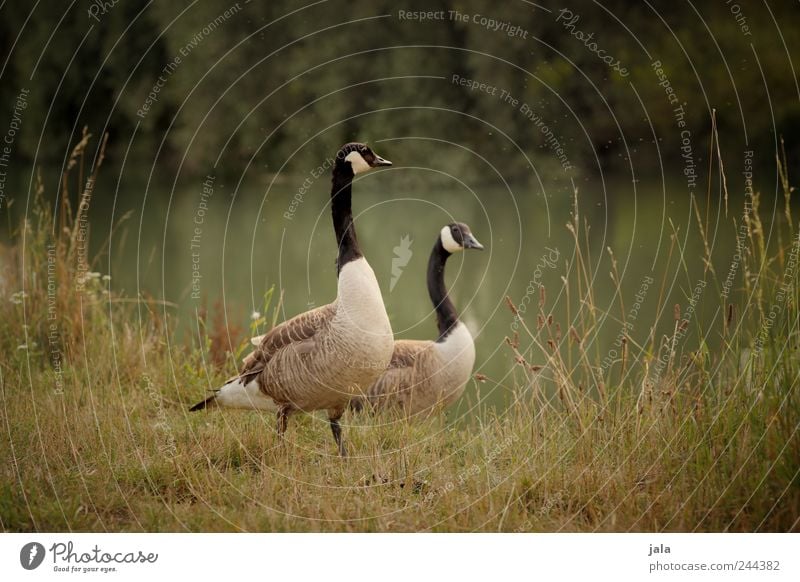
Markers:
point(396, 383)
point(298, 331)
point(406, 352)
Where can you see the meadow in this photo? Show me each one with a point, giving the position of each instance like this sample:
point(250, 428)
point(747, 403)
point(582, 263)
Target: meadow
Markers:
point(96, 435)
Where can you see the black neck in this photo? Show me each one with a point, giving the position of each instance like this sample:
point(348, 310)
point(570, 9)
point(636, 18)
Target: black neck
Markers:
point(342, 212)
point(446, 316)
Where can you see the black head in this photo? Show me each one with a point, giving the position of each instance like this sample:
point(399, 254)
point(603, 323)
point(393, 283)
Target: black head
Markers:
point(359, 157)
point(457, 236)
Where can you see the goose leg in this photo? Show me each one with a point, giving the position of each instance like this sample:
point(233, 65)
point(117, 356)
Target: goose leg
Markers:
point(336, 429)
point(283, 420)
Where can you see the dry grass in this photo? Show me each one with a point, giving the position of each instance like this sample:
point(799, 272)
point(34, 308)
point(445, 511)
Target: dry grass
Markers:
point(97, 437)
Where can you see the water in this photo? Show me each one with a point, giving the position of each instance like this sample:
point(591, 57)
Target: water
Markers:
point(199, 243)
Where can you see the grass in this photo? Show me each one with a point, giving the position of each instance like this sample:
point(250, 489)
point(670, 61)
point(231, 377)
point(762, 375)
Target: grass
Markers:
point(96, 435)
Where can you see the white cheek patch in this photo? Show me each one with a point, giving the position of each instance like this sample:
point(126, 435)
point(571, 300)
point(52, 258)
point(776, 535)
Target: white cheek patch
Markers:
point(448, 242)
point(357, 162)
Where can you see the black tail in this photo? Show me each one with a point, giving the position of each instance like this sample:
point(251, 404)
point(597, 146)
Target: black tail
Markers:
point(207, 403)
point(361, 404)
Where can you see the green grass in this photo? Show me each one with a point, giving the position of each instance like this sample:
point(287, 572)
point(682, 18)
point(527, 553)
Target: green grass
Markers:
point(106, 443)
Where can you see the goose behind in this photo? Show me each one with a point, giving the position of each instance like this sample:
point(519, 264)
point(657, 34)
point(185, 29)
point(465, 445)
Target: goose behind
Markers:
point(320, 359)
point(424, 376)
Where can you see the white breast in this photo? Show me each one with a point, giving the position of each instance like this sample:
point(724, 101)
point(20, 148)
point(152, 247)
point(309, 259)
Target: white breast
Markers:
point(457, 353)
point(360, 309)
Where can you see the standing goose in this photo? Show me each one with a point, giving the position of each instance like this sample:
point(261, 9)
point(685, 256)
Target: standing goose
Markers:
point(320, 359)
point(424, 375)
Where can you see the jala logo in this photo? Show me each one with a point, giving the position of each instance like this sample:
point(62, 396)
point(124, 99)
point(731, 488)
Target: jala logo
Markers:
point(31, 555)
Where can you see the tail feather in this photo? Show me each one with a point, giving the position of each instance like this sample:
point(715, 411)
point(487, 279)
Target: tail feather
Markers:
point(239, 392)
point(209, 402)
point(363, 404)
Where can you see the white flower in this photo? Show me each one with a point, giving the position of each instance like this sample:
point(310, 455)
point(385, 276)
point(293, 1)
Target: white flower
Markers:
point(17, 297)
point(23, 347)
point(106, 277)
point(255, 315)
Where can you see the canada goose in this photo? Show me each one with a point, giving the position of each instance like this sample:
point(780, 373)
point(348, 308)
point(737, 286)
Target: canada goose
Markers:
point(424, 375)
point(323, 357)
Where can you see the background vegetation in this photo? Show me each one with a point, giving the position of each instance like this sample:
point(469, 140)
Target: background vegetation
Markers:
point(99, 437)
point(271, 58)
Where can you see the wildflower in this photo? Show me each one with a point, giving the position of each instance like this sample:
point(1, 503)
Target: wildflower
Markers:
point(18, 297)
point(255, 315)
point(23, 347)
point(106, 277)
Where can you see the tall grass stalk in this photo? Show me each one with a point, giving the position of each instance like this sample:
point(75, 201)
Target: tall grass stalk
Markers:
point(97, 437)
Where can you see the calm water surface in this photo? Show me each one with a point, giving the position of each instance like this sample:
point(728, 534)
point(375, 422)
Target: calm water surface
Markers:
point(211, 239)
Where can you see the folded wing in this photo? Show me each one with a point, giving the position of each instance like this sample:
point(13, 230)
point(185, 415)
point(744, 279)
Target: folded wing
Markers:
point(297, 333)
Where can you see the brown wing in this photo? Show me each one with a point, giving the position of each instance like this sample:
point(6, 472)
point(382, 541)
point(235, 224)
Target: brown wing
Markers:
point(394, 385)
point(406, 353)
point(299, 331)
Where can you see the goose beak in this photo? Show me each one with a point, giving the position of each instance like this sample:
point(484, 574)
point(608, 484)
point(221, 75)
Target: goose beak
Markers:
point(470, 242)
point(379, 161)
